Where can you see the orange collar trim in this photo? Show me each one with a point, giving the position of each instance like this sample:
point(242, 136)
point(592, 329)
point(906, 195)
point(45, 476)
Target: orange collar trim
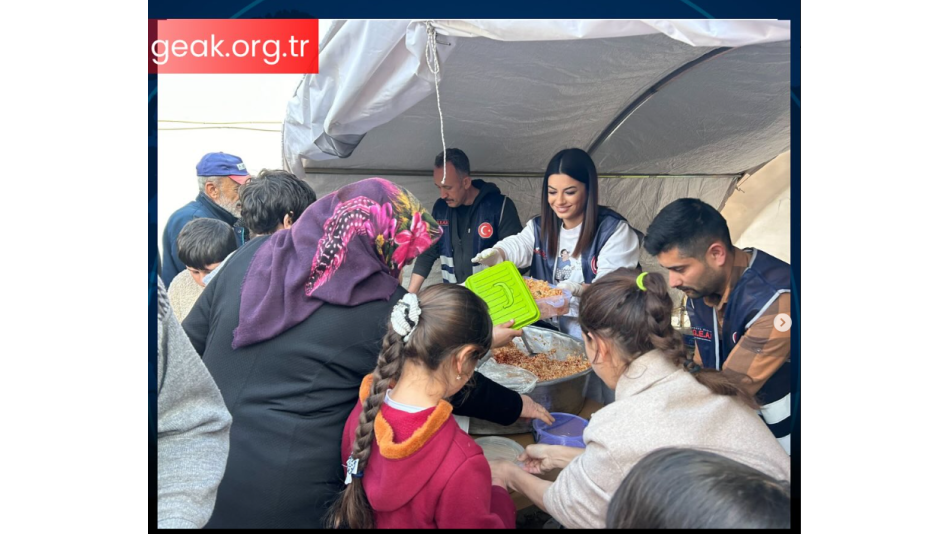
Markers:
point(384, 432)
point(364, 387)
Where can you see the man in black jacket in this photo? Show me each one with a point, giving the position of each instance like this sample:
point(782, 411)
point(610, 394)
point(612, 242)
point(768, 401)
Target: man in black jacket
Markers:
point(473, 214)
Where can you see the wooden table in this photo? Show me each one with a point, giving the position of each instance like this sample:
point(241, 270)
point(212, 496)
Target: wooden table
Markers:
point(522, 502)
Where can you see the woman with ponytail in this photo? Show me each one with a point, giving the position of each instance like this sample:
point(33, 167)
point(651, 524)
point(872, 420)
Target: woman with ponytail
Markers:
point(408, 464)
point(663, 400)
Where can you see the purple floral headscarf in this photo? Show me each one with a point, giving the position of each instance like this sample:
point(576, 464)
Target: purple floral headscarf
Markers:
point(346, 249)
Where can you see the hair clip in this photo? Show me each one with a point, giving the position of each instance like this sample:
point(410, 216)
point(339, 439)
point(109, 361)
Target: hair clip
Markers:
point(405, 316)
point(352, 464)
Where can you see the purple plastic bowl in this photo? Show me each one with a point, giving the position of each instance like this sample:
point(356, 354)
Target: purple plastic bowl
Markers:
point(568, 430)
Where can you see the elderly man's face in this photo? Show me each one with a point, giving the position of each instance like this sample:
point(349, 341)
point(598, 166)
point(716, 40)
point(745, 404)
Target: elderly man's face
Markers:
point(226, 193)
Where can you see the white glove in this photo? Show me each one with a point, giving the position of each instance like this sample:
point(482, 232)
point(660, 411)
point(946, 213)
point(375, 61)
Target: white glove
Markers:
point(575, 288)
point(488, 257)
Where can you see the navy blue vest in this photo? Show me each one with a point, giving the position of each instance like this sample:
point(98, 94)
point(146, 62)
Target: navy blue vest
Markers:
point(485, 218)
point(760, 285)
point(542, 266)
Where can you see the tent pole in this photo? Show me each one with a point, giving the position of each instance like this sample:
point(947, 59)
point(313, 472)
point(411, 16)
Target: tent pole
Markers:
point(642, 99)
point(428, 174)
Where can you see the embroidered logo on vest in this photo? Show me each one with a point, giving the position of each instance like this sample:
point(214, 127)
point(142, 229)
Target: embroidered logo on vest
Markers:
point(593, 264)
point(485, 230)
point(541, 253)
point(443, 222)
point(735, 337)
point(702, 333)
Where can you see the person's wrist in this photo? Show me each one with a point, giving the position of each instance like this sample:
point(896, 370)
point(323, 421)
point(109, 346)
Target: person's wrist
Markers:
point(500, 253)
point(500, 473)
point(525, 402)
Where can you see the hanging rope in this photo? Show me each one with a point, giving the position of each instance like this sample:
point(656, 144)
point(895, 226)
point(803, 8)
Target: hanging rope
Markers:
point(432, 60)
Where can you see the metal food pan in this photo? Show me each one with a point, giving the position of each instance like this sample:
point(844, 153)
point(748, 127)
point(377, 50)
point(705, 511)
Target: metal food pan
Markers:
point(565, 395)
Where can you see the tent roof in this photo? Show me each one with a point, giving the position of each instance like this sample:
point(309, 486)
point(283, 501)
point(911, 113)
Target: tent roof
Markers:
point(648, 104)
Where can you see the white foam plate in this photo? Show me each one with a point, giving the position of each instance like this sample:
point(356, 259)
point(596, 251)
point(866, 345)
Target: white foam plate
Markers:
point(497, 448)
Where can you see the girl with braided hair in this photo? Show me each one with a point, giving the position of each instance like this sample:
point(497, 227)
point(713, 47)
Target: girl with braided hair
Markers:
point(408, 464)
point(289, 328)
point(663, 400)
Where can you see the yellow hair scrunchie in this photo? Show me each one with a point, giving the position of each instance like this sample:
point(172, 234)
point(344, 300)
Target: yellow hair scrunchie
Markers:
point(640, 281)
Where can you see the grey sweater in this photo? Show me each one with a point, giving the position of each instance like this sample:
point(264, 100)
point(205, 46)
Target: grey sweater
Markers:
point(658, 405)
point(193, 427)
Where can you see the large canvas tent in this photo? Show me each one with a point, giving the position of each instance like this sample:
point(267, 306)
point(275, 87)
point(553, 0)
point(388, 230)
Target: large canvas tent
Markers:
point(667, 109)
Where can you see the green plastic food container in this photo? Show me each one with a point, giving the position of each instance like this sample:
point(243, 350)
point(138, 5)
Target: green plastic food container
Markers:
point(506, 294)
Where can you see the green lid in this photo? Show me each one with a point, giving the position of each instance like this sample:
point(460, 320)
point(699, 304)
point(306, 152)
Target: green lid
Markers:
point(506, 294)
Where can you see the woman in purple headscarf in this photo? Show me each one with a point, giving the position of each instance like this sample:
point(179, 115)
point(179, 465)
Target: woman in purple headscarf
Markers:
point(289, 328)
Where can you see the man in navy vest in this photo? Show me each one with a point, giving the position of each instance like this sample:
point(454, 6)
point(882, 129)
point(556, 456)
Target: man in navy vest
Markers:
point(473, 214)
point(734, 298)
point(219, 177)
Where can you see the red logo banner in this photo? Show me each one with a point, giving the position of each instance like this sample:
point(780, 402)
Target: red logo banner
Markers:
point(210, 46)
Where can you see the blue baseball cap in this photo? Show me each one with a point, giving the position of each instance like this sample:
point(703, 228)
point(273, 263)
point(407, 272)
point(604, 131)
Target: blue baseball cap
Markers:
point(221, 164)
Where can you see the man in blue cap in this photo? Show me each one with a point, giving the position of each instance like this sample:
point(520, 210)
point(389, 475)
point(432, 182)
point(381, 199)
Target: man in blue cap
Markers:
point(219, 177)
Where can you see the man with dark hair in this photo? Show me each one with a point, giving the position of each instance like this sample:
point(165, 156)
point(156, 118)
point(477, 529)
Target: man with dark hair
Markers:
point(274, 200)
point(271, 201)
point(734, 298)
point(203, 245)
point(219, 177)
point(473, 214)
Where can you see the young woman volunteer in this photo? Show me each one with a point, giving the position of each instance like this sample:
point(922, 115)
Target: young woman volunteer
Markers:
point(598, 240)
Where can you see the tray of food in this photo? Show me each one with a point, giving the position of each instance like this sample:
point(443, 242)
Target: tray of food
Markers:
point(551, 301)
point(546, 366)
point(562, 370)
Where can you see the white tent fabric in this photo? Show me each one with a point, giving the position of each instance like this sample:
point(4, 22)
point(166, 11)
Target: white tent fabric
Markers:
point(691, 32)
point(536, 81)
point(667, 109)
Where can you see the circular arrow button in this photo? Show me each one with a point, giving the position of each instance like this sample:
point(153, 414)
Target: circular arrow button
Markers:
point(782, 323)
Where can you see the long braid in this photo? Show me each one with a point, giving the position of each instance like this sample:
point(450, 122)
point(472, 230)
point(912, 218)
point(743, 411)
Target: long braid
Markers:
point(459, 319)
point(353, 510)
point(665, 338)
point(638, 321)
